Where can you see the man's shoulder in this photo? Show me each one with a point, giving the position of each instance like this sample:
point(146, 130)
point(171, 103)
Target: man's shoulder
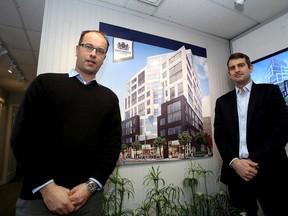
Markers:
point(52, 75)
point(49, 79)
point(227, 95)
point(107, 91)
point(265, 86)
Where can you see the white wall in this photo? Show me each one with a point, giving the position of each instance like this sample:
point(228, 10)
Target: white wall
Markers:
point(64, 21)
point(263, 40)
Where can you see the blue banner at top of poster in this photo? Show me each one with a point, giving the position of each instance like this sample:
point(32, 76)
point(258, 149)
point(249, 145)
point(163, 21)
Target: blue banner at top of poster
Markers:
point(129, 34)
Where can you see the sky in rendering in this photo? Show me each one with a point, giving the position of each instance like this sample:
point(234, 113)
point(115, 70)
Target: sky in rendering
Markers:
point(115, 75)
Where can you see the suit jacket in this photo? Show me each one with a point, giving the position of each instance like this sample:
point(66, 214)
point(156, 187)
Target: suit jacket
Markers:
point(267, 128)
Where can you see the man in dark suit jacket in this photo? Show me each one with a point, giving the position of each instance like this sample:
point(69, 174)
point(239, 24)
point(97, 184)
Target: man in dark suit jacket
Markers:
point(250, 131)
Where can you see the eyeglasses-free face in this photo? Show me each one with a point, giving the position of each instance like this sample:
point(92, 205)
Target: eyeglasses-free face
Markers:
point(89, 48)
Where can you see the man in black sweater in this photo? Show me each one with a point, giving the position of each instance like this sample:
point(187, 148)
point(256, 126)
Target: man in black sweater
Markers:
point(67, 137)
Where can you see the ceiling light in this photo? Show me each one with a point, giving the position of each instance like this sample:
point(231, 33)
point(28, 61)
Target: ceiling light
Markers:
point(151, 2)
point(12, 67)
point(239, 2)
point(3, 52)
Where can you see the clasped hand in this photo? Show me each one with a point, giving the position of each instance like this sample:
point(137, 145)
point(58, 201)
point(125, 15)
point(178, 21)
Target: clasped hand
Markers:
point(245, 168)
point(61, 200)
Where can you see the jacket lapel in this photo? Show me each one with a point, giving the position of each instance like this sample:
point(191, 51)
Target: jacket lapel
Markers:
point(252, 102)
point(233, 104)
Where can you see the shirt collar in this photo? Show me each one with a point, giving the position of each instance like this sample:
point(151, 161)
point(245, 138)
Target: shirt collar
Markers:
point(74, 73)
point(247, 88)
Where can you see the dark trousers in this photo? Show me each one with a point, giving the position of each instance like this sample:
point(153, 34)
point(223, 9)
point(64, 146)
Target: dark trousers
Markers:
point(268, 187)
point(93, 207)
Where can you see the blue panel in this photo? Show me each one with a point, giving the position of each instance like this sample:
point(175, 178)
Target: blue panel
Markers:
point(128, 34)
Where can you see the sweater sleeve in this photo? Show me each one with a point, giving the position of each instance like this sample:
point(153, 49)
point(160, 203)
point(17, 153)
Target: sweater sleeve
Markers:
point(110, 153)
point(27, 133)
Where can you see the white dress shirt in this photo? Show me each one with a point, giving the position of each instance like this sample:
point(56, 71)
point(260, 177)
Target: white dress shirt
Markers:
point(243, 96)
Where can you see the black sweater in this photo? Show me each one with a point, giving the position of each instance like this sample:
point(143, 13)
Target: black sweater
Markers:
point(66, 131)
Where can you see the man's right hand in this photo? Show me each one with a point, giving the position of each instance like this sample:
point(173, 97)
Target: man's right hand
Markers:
point(245, 168)
point(57, 199)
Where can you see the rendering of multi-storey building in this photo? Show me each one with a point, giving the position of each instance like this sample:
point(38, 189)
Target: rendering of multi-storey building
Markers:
point(164, 99)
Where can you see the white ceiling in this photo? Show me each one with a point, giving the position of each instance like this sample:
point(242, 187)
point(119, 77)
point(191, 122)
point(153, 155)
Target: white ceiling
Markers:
point(21, 23)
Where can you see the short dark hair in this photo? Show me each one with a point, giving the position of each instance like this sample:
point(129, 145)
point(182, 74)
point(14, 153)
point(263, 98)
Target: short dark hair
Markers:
point(237, 56)
point(88, 31)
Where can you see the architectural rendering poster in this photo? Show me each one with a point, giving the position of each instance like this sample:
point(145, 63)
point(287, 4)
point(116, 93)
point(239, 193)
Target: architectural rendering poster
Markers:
point(163, 92)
